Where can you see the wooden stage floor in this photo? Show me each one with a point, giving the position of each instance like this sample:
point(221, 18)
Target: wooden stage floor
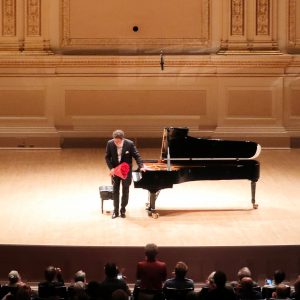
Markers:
point(50, 197)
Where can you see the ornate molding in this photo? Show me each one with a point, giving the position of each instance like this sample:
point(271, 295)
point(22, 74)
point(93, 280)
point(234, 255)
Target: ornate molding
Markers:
point(9, 18)
point(293, 43)
point(237, 17)
point(262, 17)
point(33, 23)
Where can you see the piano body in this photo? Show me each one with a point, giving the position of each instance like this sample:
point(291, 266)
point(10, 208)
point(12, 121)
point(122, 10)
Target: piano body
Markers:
point(184, 158)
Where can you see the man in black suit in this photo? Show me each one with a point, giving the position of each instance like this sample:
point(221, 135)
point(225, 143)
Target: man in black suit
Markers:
point(119, 150)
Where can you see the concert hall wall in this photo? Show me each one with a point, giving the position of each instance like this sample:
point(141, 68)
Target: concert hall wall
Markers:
point(72, 69)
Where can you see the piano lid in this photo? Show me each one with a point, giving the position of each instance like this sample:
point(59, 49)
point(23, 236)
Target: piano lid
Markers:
point(183, 147)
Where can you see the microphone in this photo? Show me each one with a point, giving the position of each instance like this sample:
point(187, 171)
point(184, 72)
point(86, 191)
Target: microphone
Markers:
point(162, 61)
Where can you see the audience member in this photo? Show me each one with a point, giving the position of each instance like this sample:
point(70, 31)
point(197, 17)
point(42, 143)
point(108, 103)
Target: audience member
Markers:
point(282, 292)
point(180, 281)
point(151, 272)
point(209, 285)
point(79, 285)
point(179, 286)
point(93, 290)
point(220, 291)
point(53, 280)
point(279, 277)
point(246, 290)
point(14, 279)
point(242, 272)
point(112, 283)
point(296, 293)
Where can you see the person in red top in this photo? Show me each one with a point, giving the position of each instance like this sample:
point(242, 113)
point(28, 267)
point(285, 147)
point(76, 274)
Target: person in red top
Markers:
point(151, 273)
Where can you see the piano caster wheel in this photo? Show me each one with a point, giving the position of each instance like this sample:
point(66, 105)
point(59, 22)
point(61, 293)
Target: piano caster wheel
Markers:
point(155, 215)
point(255, 206)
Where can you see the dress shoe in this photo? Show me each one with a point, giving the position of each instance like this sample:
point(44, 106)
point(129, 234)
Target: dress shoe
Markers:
point(114, 215)
point(123, 215)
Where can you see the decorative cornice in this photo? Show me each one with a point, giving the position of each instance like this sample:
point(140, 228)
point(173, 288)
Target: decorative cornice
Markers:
point(146, 62)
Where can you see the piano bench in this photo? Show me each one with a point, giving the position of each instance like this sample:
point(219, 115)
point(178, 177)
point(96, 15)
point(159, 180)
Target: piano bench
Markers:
point(106, 193)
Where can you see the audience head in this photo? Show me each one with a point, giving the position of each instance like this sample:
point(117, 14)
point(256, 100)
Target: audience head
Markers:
point(151, 251)
point(244, 272)
point(282, 291)
point(50, 273)
point(246, 284)
point(210, 280)
point(181, 269)
point(279, 276)
point(111, 270)
point(119, 295)
point(14, 277)
point(80, 276)
point(220, 279)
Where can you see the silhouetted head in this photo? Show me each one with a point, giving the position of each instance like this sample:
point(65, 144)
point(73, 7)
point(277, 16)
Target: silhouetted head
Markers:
point(246, 284)
point(50, 273)
point(181, 269)
point(279, 276)
point(244, 272)
point(220, 279)
point(111, 270)
point(151, 251)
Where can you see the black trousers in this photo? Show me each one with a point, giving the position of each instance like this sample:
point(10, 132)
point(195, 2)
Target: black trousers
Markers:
point(116, 182)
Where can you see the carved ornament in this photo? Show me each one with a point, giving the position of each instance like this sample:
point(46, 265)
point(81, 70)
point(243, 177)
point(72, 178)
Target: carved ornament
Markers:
point(8, 18)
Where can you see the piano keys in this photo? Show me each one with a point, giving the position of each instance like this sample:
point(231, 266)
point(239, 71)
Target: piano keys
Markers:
point(184, 158)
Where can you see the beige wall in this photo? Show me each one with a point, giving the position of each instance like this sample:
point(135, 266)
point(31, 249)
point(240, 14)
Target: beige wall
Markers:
point(75, 68)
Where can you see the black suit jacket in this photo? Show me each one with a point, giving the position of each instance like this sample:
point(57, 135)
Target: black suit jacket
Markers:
point(129, 151)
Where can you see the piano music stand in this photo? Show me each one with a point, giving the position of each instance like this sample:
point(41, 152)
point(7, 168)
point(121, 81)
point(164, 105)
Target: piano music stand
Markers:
point(106, 193)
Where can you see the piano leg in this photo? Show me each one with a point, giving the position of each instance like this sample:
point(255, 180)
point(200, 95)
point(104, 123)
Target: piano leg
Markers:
point(151, 204)
point(253, 188)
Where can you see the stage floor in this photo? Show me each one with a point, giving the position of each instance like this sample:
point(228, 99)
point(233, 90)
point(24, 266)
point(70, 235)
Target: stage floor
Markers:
point(51, 197)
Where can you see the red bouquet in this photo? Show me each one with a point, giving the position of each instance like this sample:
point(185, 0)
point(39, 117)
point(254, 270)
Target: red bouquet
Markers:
point(122, 170)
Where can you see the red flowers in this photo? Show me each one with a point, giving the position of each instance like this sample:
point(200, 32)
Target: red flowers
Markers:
point(122, 170)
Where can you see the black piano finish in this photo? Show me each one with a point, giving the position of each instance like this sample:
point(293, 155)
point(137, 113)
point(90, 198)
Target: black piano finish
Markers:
point(180, 167)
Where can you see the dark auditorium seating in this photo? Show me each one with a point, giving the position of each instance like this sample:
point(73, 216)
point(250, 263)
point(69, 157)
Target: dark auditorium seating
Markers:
point(4, 290)
point(52, 291)
point(176, 294)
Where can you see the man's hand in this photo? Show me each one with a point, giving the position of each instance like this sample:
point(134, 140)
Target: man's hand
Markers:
point(112, 172)
point(143, 169)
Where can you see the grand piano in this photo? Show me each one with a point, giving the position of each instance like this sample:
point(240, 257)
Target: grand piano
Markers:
point(185, 158)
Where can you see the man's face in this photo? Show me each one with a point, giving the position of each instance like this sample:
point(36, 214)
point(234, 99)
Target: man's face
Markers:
point(118, 142)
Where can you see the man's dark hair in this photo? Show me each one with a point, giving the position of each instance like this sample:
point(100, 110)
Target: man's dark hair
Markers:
point(50, 273)
point(151, 250)
point(279, 276)
point(119, 134)
point(111, 270)
point(181, 269)
point(220, 279)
